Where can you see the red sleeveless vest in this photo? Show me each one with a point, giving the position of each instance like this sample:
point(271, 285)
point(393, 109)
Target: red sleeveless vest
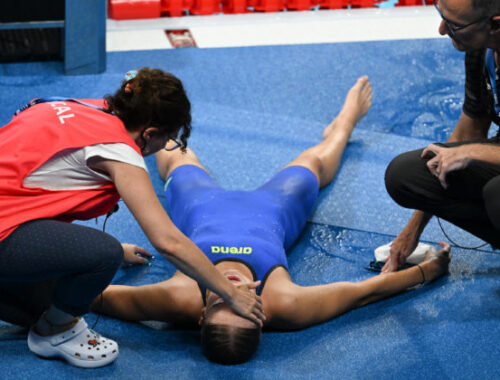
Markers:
point(31, 139)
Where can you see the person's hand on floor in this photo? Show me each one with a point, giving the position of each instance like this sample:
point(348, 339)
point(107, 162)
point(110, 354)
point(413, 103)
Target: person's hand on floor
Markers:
point(402, 247)
point(131, 257)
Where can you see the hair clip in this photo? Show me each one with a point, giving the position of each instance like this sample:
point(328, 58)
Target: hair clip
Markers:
point(128, 88)
point(130, 75)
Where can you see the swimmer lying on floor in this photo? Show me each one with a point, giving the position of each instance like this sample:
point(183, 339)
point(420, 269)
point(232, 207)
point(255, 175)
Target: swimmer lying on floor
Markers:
point(246, 233)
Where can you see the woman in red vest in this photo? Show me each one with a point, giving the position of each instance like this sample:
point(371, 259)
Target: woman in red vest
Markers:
point(67, 159)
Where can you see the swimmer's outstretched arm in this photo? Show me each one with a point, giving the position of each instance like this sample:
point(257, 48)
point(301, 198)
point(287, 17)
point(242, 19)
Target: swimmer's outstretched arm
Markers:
point(177, 300)
point(290, 306)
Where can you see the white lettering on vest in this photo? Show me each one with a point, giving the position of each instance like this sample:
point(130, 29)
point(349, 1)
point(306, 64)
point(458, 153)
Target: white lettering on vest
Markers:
point(60, 107)
point(61, 118)
point(61, 110)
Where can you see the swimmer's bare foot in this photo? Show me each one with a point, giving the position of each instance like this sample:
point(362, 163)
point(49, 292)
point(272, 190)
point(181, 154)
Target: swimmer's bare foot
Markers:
point(436, 263)
point(356, 105)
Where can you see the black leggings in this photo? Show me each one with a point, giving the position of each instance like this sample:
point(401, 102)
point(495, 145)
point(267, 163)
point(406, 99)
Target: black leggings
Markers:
point(47, 262)
point(471, 201)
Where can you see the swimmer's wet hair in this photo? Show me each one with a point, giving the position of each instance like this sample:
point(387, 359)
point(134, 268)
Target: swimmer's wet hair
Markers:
point(226, 344)
point(157, 99)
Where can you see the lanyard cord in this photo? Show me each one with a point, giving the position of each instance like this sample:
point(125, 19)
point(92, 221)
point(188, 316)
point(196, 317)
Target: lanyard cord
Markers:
point(490, 67)
point(59, 99)
point(455, 244)
point(115, 209)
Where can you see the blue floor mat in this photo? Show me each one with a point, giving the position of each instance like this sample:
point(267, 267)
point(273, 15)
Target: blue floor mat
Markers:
point(255, 109)
point(416, 335)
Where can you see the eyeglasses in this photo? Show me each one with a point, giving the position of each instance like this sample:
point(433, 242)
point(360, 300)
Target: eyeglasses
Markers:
point(453, 27)
point(178, 144)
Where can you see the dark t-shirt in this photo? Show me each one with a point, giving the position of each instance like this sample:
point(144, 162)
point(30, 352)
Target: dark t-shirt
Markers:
point(479, 100)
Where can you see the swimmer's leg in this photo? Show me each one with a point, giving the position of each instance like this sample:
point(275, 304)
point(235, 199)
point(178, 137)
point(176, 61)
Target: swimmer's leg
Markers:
point(324, 158)
point(166, 162)
point(290, 306)
point(177, 300)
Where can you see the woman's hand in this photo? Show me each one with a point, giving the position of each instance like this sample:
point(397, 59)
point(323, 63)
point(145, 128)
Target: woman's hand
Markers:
point(436, 263)
point(248, 304)
point(130, 254)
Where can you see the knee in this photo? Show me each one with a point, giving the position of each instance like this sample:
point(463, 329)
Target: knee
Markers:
point(400, 174)
point(317, 166)
point(312, 161)
point(491, 196)
point(114, 253)
point(109, 253)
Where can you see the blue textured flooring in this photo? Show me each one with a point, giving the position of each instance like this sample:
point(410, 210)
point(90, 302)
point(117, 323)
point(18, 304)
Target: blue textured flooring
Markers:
point(254, 110)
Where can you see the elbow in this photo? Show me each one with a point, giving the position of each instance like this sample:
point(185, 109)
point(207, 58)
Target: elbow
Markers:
point(170, 248)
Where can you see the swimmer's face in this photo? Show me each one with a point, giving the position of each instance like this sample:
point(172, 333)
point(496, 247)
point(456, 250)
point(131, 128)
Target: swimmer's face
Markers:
point(468, 28)
point(218, 312)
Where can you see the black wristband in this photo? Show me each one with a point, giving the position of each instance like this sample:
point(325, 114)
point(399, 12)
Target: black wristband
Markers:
point(421, 271)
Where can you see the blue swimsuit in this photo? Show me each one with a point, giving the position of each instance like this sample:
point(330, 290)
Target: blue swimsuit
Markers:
point(252, 227)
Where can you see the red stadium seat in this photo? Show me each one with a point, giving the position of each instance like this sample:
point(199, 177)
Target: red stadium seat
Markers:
point(333, 4)
point(133, 9)
point(269, 5)
point(235, 6)
point(174, 8)
point(205, 7)
point(300, 5)
point(362, 3)
point(410, 2)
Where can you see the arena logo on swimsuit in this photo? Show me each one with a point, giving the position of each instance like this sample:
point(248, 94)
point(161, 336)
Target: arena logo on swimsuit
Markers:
point(232, 250)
